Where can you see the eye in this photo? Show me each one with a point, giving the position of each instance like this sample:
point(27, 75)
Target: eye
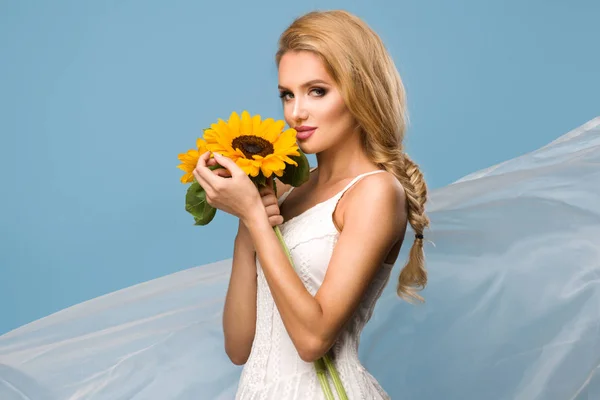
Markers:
point(283, 94)
point(321, 91)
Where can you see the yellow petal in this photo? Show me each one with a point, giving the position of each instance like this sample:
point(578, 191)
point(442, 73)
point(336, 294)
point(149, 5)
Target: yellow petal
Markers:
point(286, 139)
point(186, 167)
point(289, 160)
point(226, 131)
point(272, 133)
point(239, 152)
point(220, 129)
point(234, 125)
point(256, 122)
point(272, 163)
point(187, 178)
point(248, 166)
point(217, 148)
point(201, 145)
point(210, 134)
point(190, 157)
point(246, 124)
point(264, 127)
point(221, 136)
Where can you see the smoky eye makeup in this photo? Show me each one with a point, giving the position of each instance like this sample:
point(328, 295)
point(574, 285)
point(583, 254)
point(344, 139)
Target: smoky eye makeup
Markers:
point(284, 93)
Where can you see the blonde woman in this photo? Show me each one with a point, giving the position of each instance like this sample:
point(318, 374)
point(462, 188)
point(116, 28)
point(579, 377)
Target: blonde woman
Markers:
point(341, 91)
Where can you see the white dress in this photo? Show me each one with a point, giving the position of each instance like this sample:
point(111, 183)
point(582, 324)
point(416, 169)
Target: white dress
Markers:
point(274, 370)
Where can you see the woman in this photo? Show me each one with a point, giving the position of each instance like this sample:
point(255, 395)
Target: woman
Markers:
point(344, 227)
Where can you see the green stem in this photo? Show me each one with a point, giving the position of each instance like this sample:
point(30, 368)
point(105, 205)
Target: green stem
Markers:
point(322, 375)
point(336, 378)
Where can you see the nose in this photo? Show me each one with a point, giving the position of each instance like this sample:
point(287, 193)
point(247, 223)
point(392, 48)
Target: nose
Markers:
point(299, 111)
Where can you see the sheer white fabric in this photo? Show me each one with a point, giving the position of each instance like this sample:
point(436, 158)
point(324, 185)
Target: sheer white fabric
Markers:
point(512, 311)
point(274, 369)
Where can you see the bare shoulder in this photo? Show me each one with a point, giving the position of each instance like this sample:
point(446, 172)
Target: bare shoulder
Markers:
point(382, 192)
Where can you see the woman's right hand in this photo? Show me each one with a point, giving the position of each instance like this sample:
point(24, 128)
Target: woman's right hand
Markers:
point(267, 195)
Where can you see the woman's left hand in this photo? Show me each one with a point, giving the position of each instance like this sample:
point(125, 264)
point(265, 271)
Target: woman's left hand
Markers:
point(236, 195)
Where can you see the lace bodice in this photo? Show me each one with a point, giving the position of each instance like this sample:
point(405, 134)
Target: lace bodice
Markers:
point(274, 370)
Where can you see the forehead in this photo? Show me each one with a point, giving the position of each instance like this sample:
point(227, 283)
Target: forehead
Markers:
point(297, 67)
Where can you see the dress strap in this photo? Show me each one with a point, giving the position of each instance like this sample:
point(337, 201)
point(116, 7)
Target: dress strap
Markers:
point(356, 179)
point(340, 193)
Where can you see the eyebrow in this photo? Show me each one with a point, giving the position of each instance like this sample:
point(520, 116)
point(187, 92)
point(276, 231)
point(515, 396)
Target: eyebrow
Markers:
point(306, 84)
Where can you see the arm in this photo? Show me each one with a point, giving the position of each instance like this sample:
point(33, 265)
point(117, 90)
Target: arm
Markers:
point(314, 323)
point(239, 315)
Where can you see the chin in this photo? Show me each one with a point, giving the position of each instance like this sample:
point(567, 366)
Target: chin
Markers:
point(307, 148)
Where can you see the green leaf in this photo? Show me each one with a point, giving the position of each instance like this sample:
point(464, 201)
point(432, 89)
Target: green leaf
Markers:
point(195, 204)
point(296, 175)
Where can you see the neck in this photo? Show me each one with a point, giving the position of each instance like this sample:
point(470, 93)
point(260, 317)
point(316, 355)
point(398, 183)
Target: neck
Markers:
point(342, 161)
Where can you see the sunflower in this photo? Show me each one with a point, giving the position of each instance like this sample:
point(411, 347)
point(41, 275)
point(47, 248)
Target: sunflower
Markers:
point(254, 145)
point(189, 160)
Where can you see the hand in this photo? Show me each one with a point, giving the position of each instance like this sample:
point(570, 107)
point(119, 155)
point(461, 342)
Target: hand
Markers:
point(228, 188)
point(269, 201)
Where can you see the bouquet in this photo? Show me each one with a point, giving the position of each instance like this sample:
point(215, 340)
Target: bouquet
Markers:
point(260, 148)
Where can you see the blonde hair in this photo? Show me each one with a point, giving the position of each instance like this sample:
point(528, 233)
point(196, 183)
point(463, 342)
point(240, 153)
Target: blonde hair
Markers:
point(357, 60)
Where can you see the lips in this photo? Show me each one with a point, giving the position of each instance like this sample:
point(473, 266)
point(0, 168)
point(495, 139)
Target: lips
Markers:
point(305, 128)
point(303, 132)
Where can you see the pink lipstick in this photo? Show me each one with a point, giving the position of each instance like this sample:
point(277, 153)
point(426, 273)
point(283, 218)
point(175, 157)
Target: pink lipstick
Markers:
point(304, 132)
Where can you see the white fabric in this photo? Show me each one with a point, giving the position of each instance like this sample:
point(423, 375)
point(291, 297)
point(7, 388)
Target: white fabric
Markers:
point(274, 369)
point(512, 306)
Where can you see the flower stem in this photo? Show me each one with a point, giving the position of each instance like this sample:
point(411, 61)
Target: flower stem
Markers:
point(321, 374)
point(336, 378)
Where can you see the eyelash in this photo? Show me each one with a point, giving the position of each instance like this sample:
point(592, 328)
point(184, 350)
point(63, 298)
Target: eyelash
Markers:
point(285, 93)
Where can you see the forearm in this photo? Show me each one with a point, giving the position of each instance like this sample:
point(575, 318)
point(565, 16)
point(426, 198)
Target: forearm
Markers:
point(300, 312)
point(239, 315)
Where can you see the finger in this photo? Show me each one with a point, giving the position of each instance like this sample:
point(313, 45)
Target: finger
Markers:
point(269, 200)
point(222, 172)
point(276, 220)
point(272, 210)
point(265, 191)
point(228, 163)
point(203, 173)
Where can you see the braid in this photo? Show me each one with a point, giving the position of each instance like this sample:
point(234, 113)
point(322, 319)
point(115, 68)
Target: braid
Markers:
point(414, 275)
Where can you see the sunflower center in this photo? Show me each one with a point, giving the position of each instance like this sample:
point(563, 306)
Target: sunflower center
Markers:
point(252, 145)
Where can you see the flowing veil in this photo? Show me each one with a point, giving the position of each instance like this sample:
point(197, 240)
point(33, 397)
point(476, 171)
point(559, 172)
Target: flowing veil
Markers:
point(512, 306)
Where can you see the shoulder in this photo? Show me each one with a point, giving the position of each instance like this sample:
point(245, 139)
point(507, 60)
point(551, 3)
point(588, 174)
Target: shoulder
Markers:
point(379, 195)
point(381, 188)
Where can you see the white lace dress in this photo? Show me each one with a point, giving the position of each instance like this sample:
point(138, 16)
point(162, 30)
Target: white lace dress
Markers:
point(274, 370)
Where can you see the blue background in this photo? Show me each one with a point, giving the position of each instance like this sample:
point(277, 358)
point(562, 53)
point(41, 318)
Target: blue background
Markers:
point(98, 98)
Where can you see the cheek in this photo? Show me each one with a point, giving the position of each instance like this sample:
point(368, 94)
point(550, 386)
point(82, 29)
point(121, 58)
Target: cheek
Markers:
point(332, 109)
